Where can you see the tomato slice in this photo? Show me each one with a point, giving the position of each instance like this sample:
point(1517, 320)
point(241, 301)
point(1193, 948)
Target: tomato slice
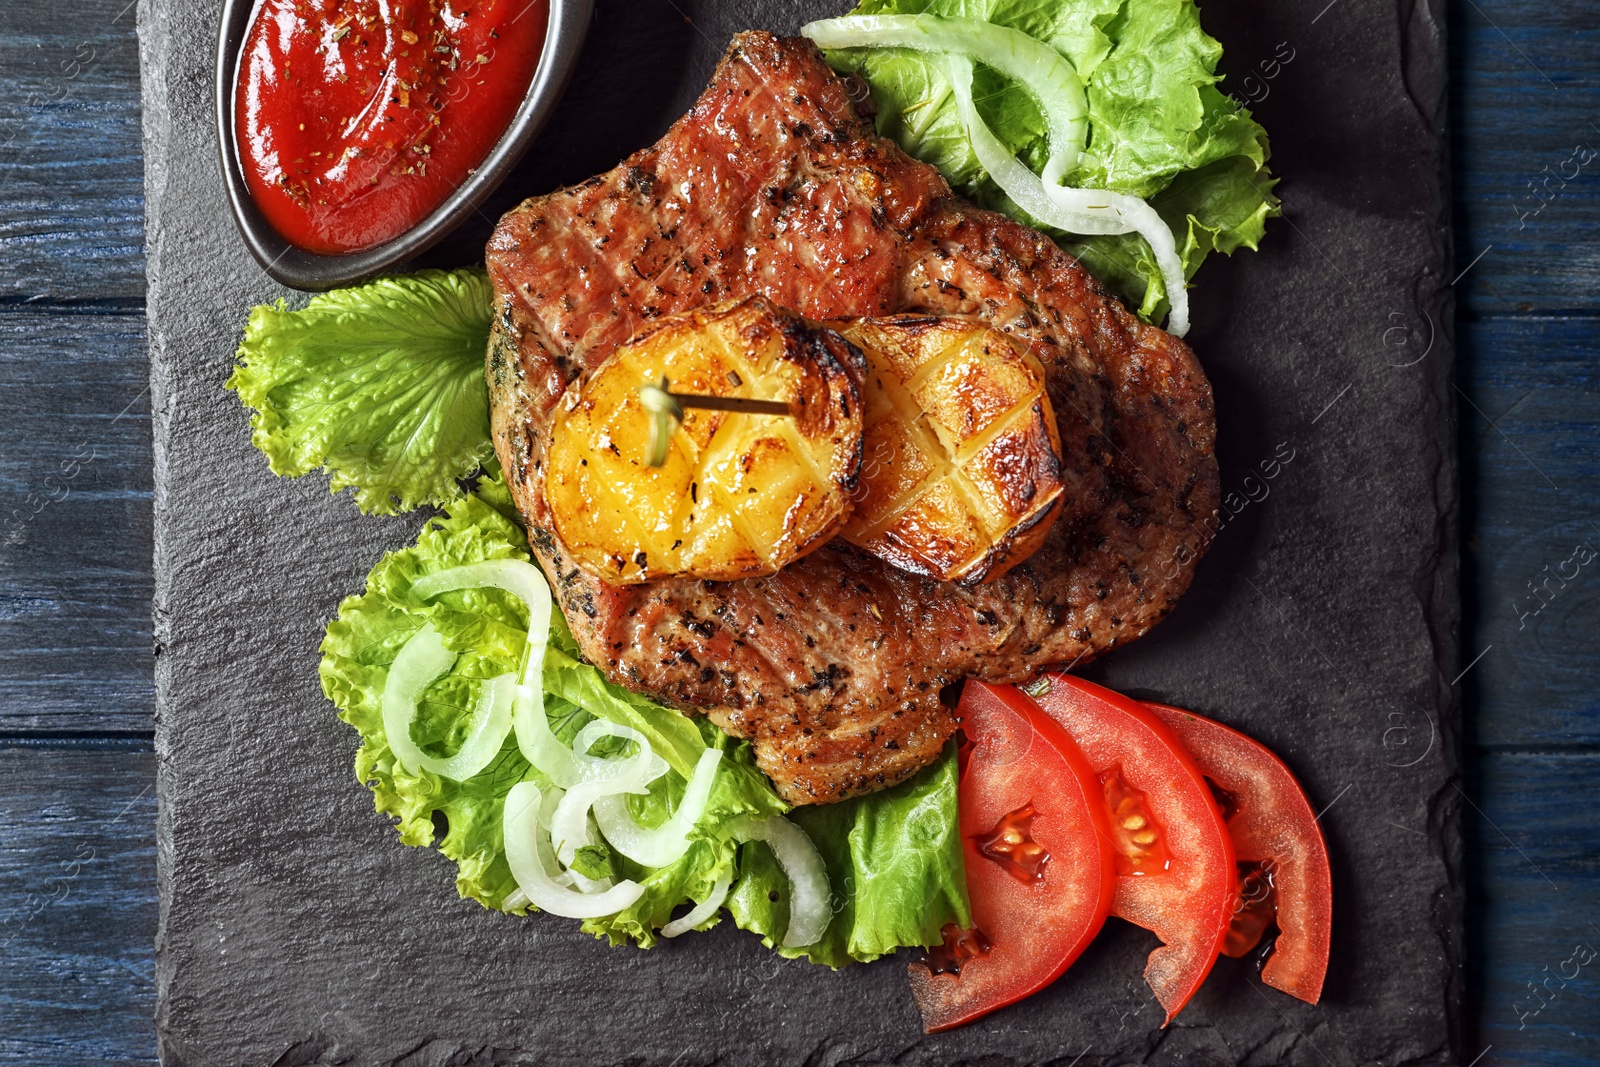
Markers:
point(1175, 863)
point(1279, 848)
point(1038, 856)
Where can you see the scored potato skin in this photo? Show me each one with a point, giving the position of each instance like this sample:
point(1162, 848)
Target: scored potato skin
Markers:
point(697, 514)
point(1015, 476)
point(774, 183)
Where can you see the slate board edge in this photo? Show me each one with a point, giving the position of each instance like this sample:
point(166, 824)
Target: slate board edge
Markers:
point(155, 122)
point(1422, 27)
point(1427, 34)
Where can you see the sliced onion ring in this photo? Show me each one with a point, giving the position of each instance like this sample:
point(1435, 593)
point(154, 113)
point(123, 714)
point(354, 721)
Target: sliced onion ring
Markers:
point(567, 841)
point(524, 581)
point(547, 853)
point(422, 659)
point(1052, 81)
point(665, 844)
point(1047, 75)
point(539, 745)
point(637, 770)
point(570, 767)
point(519, 578)
point(521, 830)
point(568, 824)
point(605, 778)
point(1085, 211)
point(703, 910)
point(810, 896)
point(547, 860)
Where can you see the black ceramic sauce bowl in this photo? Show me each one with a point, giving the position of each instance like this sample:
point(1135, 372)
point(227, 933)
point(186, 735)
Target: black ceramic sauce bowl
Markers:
point(296, 267)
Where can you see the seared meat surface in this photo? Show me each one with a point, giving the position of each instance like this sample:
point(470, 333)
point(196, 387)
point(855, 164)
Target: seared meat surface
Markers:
point(775, 184)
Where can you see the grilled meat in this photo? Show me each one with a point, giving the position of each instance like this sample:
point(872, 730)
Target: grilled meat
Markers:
point(774, 183)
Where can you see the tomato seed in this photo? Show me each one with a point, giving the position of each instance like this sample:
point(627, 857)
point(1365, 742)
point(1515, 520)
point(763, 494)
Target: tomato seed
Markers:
point(1011, 845)
point(1140, 845)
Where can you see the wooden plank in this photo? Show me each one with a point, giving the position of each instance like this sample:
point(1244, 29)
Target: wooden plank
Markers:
point(77, 904)
point(1526, 109)
point(1530, 416)
point(1535, 847)
point(75, 498)
point(71, 179)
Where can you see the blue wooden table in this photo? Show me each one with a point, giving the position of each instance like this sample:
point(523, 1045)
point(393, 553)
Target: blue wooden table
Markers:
point(78, 905)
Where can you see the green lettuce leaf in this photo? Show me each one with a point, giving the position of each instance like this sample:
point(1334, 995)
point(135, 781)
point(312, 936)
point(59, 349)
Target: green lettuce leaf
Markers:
point(381, 385)
point(1158, 126)
point(894, 858)
point(487, 629)
point(1219, 208)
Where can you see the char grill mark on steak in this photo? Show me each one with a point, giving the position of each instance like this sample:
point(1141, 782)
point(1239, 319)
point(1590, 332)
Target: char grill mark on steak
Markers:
point(773, 183)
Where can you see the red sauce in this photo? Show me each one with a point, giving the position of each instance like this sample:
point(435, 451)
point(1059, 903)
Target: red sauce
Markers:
point(357, 118)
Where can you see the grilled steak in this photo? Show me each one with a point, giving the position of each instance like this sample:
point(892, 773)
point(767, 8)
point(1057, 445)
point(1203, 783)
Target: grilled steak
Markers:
point(774, 183)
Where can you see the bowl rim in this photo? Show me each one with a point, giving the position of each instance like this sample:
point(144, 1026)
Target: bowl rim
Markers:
point(566, 27)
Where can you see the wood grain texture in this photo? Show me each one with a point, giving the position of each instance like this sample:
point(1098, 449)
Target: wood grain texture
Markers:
point(1536, 864)
point(1530, 419)
point(71, 178)
point(75, 643)
point(1525, 80)
point(1526, 104)
point(77, 904)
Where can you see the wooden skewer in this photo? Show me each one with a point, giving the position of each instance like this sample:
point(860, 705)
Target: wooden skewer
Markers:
point(731, 403)
point(666, 413)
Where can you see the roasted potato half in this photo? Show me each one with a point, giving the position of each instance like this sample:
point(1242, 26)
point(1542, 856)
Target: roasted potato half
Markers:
point(961, 468)
point(739, 495)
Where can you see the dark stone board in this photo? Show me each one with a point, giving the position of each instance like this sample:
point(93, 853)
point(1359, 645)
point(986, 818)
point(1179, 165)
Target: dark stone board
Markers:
point(296, 929)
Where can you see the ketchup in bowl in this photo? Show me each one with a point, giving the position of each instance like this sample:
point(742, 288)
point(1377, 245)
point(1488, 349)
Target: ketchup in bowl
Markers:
point(355, 119)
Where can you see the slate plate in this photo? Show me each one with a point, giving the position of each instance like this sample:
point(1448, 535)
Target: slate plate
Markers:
point(295, 928)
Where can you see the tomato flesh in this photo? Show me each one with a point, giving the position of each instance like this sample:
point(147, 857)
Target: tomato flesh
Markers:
point(1282, 856)
point(1187, 899)
point(1039, 861)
